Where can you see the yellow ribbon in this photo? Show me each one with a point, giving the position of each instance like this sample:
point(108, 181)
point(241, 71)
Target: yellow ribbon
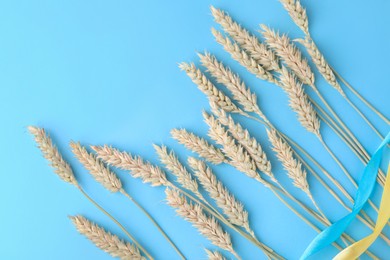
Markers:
point(359, 247)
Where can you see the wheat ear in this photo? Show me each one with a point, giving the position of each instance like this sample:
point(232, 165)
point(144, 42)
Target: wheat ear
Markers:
point(199, 145)
point(241, 93)
point(242, 57)
point(135, 164)
point(290, 54)
point(321, 64)
point(214, 255)
point(250, 144)
point(300, 103)
point(104, 240)
point(297, 14)
point(207, 226)
point(50, 153)
point(172, 163)
point(96, 168)
point(258, 51)
point(232, 208)
point(208, 88)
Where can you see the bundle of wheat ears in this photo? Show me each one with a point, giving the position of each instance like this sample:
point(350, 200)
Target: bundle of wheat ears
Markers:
point(194, 191)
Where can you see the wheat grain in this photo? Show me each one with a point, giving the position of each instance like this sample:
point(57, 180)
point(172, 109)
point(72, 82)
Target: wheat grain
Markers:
point(232, 208)
point(290, 164)
point(199, 145)
point(96, 168)
point(258, 51)
point(321, 64)
point(214, 255)
point(136, 165)
point(236, 86)
point(207, 226)
point(300, 103)
point(249, 143)
point(239, 157)
point(50, 152)
point(106, 241)
point(171, 162)
point(243, 58)
point(297, 14)
point(290, 54)
point(208, 88)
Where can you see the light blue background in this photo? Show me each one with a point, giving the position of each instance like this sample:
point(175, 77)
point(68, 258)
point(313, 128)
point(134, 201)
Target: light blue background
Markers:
point(105, 72)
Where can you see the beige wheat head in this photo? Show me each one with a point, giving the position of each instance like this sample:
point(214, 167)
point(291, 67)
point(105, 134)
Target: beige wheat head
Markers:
point(106, 241)
point(290, 164)
point(290, 55)
point(214, 255)
point(208, 88)
point(257, 50)
point(136, 165)
point(232, 208)
point(232, 81)
point(96, 168)
point(249, 143)
point(297, 14)
point(207, 226)
point(239, 157)
point(171, 162)
point(321, 64)
point(199, 145)
point(243, 58)
point(299, 102)
point(51, 153)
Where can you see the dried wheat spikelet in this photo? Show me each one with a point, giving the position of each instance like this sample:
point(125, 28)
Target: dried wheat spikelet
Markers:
point(242, 57)
point(214, 255)
point(297, 14)
point(232, 208)
point(136, 165)
point(199, 145)
point(290, 54)
point(299, 102)
point(208, 88)
point(290, 164)
point(50, 152)
point(241, 93)
point(96, 168)
point(171, 162)
point(207, 226)
point(106, 241)
point(239, 157)
point(321, 64)
point(257, 50)
point(249, 143)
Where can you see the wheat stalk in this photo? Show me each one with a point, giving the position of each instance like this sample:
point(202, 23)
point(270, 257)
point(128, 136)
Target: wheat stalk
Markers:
point(208, 88)
point(214, 255)
point(242, 57)
point(106, 241)
point(96, 168)
point(172, 163)
point(232, 208)
point(250, 144)
point(50, 153)
point(207, 226)
point(297, 13)
point(300, 103)
point(241, 93)
point(321, 64)
point(258, 51)
point(135, 164)
point(290, 54)
point(199, 145)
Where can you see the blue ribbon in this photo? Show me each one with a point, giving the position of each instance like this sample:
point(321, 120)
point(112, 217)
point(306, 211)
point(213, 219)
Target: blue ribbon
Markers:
point(366, 186)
